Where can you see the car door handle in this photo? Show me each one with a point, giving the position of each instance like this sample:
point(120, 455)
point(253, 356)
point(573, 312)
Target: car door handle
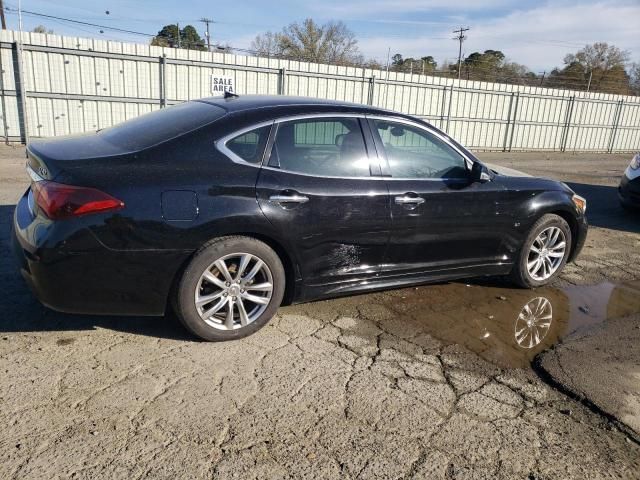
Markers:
point(407, 200)
point(288, 199)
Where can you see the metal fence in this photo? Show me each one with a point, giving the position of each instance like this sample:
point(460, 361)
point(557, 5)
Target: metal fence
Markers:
point(53, 85)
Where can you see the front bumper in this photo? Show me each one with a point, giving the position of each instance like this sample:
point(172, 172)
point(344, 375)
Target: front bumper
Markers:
point(581, 237)
point(629, 192)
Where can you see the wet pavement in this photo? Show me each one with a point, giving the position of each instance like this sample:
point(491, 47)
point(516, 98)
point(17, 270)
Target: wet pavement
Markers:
point(509, 326)
point(427, 382)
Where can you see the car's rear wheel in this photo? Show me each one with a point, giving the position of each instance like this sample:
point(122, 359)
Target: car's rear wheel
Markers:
point(544, 253)
point(231, 288)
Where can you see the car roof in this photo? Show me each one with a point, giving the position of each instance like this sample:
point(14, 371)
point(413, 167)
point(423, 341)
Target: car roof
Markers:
point(284, 102)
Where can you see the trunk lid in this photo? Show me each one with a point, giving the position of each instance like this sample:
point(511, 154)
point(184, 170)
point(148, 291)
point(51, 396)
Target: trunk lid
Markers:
point(49, 157)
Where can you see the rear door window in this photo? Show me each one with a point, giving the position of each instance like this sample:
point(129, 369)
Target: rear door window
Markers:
point(331, 147)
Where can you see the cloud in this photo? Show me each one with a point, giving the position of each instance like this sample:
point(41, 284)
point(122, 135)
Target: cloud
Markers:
point(364, 8)
point(538, 37)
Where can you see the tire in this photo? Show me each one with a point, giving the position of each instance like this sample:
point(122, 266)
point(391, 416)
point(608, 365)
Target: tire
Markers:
point(551, 263)
point(204, 282)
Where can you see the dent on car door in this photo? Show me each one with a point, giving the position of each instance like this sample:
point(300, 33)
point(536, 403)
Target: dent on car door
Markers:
point(440, 219)
point(318, 190)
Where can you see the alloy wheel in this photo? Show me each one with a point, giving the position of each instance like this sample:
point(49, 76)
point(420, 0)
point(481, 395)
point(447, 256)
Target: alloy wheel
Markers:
point(533, 322)
point(546, 253)
point(234, 291)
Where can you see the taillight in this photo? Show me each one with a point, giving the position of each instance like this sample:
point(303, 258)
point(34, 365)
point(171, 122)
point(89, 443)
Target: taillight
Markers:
point(58, 201)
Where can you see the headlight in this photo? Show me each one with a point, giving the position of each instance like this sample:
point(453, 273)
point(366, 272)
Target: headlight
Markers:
point(635, 162)
point(580, 202)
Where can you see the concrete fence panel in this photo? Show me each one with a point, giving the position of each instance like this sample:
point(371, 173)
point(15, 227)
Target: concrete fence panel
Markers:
point(53, 85)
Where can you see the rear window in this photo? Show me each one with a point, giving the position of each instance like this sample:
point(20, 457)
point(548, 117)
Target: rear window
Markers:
point(250, 146)
point(156, 127)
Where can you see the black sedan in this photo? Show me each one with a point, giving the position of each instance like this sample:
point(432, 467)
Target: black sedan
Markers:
point(225, 208)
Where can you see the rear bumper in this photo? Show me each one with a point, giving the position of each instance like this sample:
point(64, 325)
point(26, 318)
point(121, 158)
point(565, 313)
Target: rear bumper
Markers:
point(78, 274)
point(629, 192)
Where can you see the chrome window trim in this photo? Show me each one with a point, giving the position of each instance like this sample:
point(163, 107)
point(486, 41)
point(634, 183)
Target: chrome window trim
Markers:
point(221, 144)
point(222, 147)
point(369, 177)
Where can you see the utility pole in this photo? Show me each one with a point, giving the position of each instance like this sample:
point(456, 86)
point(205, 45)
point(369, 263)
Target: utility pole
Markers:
point(207, 21)
point(20, 17)
point(590, 77)
point(386, 84)
point(461, 37)
point(178, 39)
point(543, 75)
point(4, 22)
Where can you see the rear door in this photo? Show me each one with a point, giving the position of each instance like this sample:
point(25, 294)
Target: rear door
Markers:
point(440, 220)
point(322, 189)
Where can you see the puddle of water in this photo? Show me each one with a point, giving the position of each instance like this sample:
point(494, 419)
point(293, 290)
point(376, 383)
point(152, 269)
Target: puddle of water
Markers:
point(505, 326)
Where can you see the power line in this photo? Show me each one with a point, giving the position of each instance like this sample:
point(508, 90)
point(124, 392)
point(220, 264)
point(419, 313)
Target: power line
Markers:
point(461, 38)
point(53, 17)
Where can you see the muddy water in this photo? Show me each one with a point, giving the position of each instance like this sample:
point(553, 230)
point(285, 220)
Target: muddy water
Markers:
point(505, 326)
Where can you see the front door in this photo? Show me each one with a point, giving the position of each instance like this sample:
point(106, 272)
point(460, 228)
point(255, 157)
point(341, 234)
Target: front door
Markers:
point(441, 221)
point(322, 189)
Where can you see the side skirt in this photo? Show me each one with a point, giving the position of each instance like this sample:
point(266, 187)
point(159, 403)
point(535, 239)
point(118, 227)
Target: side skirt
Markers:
point(373, 284)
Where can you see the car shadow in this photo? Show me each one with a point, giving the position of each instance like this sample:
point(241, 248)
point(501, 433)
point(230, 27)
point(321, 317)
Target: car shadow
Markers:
point(604, 209)
point(21, 312)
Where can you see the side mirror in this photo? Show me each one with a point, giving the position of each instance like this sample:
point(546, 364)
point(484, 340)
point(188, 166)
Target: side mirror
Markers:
point(479, 173)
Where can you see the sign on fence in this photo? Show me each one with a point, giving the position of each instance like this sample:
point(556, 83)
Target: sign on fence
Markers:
point(219, 85)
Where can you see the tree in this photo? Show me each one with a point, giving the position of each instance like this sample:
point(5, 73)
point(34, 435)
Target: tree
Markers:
point(599, 67)
point(42, 29)
point(493, 66)
point(397, 60)
point(483, 66)
point(267, 45)
point(634, 74)
point(172, 36)
point(167, 37)
point(190, 39)
point(429, 63)
point(413, 65)
point(332, 42)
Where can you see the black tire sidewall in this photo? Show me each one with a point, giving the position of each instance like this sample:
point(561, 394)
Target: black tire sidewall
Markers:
point(522, 276)
point(185, 305)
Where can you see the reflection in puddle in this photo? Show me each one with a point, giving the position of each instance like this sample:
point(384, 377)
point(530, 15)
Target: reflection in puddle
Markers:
point(533, 322)
point(509, 327)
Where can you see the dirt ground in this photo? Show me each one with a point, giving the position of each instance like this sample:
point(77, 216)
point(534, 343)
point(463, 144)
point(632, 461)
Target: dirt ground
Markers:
point(416, 383)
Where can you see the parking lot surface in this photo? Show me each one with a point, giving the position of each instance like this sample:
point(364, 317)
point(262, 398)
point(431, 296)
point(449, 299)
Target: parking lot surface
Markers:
point(427, 382)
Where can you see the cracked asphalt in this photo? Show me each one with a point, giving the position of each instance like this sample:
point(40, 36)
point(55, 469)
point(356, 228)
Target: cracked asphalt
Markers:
point(414, 383)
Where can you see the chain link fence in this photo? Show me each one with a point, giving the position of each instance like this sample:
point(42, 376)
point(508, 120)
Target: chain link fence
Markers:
point(53, 85)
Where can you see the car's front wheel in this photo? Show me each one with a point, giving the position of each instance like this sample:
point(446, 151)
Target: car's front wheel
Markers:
point(544, 253)
point(231, 288)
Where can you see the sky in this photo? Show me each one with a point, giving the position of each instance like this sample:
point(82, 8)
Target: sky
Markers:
point(537, 34)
